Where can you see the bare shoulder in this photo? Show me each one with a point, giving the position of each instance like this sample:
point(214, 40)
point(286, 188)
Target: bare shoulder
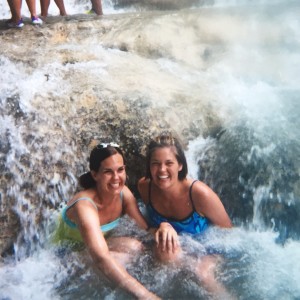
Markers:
point(208, 203)
point(90, 193)
point(143, 187)
point(202, 193)
point(127, 194)
point(143, 181)
point(143, 184)
point(83, 211)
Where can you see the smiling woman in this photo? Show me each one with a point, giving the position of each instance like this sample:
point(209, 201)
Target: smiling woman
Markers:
point(96, 210)
point(177, 204)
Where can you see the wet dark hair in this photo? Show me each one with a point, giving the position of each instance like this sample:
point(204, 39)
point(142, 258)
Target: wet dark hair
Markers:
point(98, 154)
point(167, 140)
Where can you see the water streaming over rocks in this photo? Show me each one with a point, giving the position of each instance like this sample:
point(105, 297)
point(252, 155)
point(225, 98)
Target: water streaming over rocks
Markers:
point(223, 75)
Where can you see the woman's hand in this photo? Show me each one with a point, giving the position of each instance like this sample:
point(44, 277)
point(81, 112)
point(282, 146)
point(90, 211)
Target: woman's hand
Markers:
point(166, 238)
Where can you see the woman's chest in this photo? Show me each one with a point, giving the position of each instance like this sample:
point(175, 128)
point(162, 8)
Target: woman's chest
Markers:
point(110, 213)
point(178, 208)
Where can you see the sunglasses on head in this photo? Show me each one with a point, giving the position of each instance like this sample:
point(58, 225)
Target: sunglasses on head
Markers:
point(105, 145)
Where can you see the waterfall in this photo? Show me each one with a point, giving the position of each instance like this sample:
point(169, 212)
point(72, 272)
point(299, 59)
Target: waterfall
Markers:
point(224, 75)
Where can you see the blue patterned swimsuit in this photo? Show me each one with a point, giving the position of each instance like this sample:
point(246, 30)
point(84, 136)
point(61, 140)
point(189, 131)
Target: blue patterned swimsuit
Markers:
point(194, 223)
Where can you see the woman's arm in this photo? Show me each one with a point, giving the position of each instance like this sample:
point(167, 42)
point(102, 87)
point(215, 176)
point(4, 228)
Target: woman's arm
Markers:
point(87, 219)
point(207, 203)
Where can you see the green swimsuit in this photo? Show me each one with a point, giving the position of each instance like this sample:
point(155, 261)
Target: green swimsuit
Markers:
point(68, 230)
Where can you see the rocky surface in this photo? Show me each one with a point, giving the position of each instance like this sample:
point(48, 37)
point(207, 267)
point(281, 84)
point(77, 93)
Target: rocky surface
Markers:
point(57, 134)
point(79, 80)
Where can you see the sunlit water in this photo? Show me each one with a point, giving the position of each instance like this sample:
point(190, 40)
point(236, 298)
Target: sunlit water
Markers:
point(241, 56)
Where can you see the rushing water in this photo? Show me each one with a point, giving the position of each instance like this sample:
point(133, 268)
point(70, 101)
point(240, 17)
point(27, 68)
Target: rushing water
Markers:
point(241, 57)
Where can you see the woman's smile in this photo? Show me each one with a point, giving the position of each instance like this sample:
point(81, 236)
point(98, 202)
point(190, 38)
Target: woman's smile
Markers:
point(164, 166)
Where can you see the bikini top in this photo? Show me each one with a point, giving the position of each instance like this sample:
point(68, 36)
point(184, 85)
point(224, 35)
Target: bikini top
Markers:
point(104, 228)
point(194, 223)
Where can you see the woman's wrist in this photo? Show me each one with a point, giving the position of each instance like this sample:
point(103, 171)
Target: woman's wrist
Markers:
point(151, 229)
point(165, 224)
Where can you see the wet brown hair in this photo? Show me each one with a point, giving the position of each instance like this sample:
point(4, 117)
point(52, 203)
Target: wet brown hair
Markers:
point(166, 139)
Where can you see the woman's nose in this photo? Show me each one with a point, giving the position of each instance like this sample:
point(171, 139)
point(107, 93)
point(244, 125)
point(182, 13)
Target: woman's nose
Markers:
point(162, 167)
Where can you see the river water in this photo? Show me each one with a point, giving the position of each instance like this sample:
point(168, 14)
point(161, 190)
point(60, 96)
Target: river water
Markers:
point(240, 57)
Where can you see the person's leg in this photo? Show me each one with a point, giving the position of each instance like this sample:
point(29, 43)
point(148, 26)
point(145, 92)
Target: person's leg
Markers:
point(125, 244)
point(61, 6)
point(123, 258)
point(205, 271)
point(16, 17)
point(97, 7)
point(15, 9)
point(44, 7)
point(12, 9)
point(167, 257)
point(35, 20)
point(32, 7)
point(124, 249)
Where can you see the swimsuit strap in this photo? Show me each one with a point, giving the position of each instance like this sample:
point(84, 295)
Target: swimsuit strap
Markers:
point(91, 200)
point(106, 227)
point(83, 198)
point(66, 208)
point(190, 193)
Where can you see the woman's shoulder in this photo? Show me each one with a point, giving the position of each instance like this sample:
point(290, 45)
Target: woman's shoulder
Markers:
point(127, 196)
point(126, 192)
point(143, 184)
point(199, 188)
point(143, 181)
point(143, 188)
point(88, 194)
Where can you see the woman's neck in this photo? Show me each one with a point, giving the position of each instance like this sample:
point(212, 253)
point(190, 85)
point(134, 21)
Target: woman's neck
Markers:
point(171, 192)
point(104, 199)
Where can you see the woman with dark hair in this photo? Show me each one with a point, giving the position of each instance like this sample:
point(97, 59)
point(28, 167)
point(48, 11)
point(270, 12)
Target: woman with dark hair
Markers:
point(177, 204)
point(96, 210)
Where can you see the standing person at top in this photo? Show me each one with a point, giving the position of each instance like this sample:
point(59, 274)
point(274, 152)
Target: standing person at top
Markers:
point(95, 211)
point(16, 20)
point(177, 204)
point(45, 6)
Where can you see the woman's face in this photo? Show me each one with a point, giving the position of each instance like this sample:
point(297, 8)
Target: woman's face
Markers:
point(111, 175)
point(164, 167)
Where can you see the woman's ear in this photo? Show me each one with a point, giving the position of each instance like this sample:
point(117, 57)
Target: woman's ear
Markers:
point(180, 167)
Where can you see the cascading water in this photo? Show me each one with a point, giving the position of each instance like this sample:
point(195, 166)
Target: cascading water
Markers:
point(225, 74)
